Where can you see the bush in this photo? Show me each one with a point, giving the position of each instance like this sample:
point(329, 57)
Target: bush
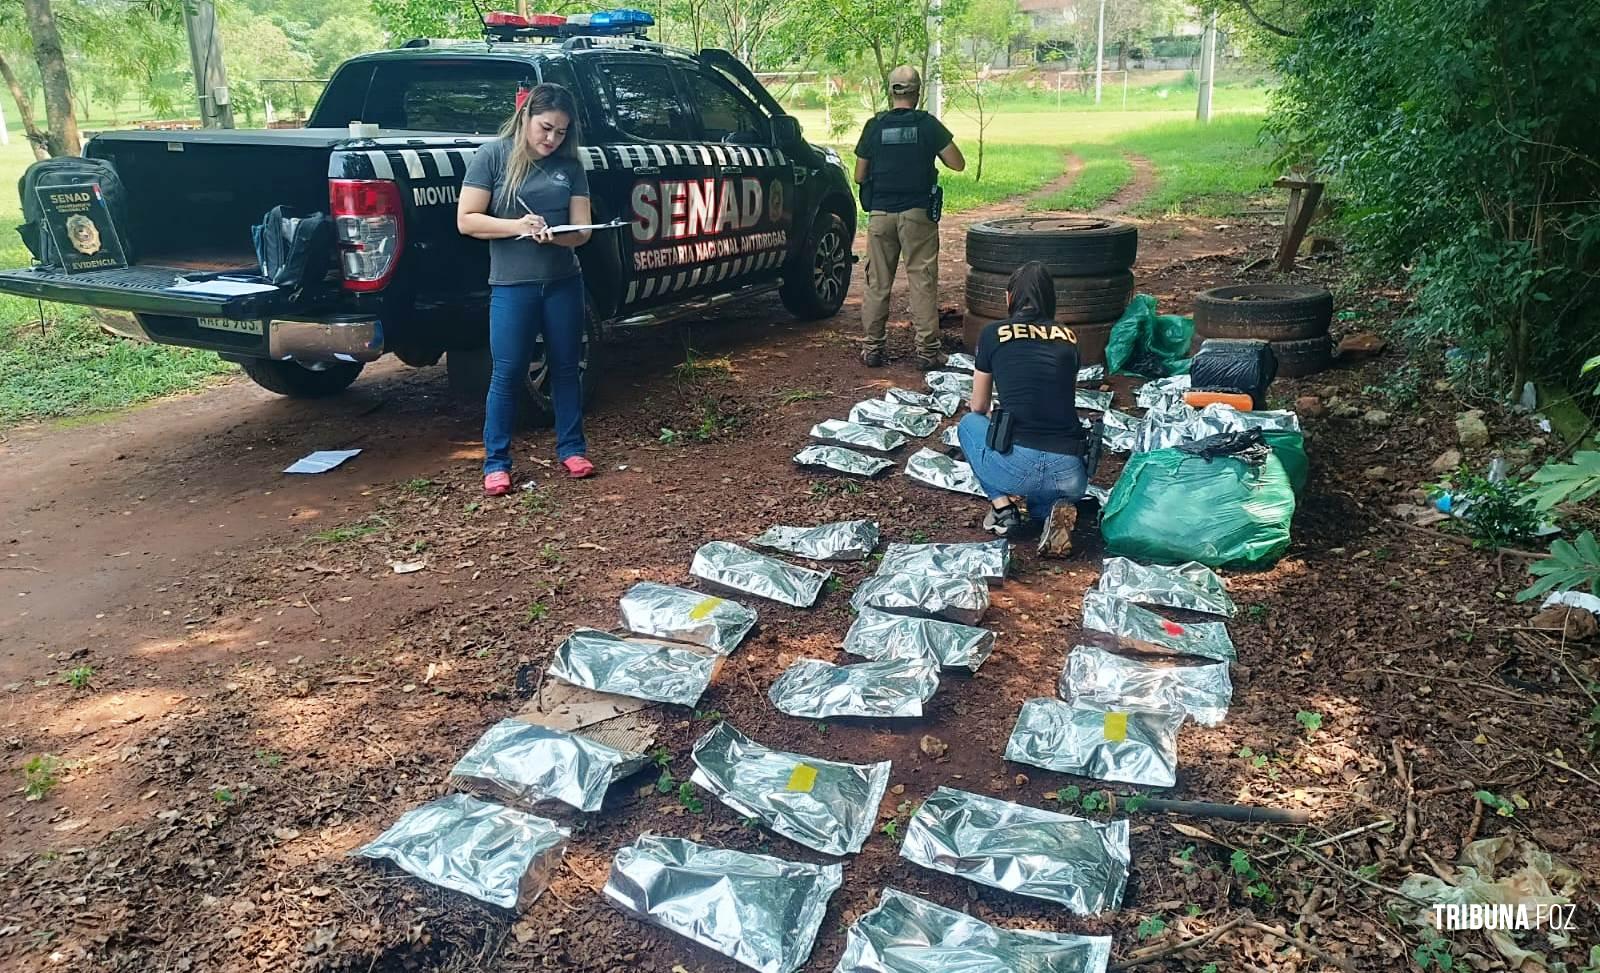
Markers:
point(1459, 133)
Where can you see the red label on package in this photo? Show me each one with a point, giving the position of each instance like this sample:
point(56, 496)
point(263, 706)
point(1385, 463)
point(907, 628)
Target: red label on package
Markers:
point(1171, 628)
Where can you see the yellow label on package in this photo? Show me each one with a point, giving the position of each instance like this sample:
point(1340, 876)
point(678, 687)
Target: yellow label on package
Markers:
point(803, 778)
point(705, 608)
point(1116, 727)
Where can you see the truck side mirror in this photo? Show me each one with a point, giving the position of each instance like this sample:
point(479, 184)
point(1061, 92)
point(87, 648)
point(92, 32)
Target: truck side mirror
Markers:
point(786, 130)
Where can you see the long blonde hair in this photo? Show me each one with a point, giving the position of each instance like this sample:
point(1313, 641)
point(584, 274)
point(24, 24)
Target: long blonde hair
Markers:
point(543, 98)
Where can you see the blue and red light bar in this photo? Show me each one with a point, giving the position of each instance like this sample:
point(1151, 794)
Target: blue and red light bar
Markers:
point(619, 22)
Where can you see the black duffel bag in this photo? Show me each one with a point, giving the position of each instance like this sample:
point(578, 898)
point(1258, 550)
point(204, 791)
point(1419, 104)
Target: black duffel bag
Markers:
point(69, 171)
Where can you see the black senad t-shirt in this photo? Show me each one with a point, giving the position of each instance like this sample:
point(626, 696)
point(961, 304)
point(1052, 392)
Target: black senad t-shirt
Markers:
point(1035, 369)
point(902, 145)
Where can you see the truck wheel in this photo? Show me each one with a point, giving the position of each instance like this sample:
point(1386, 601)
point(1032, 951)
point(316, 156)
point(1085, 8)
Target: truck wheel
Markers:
point(815, 282)
point(1068, 246)
point(311, 380)
point(1270, 312)
point(469, 371)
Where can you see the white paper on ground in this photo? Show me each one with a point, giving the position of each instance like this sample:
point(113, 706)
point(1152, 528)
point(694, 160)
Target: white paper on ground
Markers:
point(321, 461)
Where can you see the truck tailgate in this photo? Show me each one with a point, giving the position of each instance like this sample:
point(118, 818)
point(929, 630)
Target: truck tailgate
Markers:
point(141, 289)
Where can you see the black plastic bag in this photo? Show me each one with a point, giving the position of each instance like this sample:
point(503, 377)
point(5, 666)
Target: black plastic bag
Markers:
point(1235, 365)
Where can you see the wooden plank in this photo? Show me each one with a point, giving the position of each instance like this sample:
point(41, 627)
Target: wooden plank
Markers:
point(1302, 210)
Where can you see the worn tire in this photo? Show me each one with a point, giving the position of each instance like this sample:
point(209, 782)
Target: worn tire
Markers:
point(1271, 312)
point(1092, 337)
point(1078, 299)
point(299, 381)
point(469, 371)
point(1302, 357)
point(816, 281)
point(1069, 246)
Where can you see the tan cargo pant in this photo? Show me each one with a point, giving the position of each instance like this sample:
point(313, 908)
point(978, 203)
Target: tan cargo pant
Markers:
point(913, 236)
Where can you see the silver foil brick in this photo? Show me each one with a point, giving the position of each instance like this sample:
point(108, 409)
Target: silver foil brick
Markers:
point(1091, 373)
point(838, 432)
point(957, 382)
point(1117, 430)
point(949, 437)
point(1162, 393)
point(1202, 692)
point(938, 470)
point(760, 911)
point(909, 419)
point(1120, 617)
point(737, 569)
point(817, 690)
point(829, 806)
point(1080, 864)
point(1091, 400)
point(907, 934)
point(1180, 424)
point(680, 615)
point(841, 460)
point(960, 362)
point(1104, 741)
point(644, 670)
point(949, 598)
point(1191, 586)
point(979, 559)
point(846, 540)
point(947, 403)
point(523, 762)
point(880, 635)
point(495, 854)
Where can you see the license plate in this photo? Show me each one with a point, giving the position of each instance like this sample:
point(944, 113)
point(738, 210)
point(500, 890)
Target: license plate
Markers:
point(238, 327)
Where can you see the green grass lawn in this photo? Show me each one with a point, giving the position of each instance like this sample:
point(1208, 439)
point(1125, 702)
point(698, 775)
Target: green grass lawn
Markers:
point(1105, 171)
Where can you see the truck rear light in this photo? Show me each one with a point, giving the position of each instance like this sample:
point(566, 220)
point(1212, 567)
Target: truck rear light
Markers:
point(368, 216)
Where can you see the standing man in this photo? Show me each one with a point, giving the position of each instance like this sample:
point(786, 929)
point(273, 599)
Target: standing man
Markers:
point(899, 183)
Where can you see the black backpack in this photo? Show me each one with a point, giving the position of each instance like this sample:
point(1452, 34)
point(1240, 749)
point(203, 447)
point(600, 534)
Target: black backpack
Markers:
point(295, 252)
point(67, 171)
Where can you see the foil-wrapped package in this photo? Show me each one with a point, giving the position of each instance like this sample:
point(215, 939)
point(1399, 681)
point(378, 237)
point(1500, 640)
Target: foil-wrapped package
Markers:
point(958, 382)
point(760, 911)
point(1099, 493)
point(1120, 617)
point(523, 762)
point(960, 362)
point(845, 540)
point(907, 934)
point(939, 470)
point(1091, 373)
point(644, 670)
point(1191, 586)
point(949, 437)
point(818, 690)
point(680, 615)
point(1080, 864)
point(841, 460)
point(909, 419)
point(981, 559)
point(838, 432)
point(1162, 393)
point(1201, 692)
point(949, 598)
point(947, 403)
point(1180, 424)
point(495, 854)
point(731, 566)
point(1105, 741)
point(1091, 400)
point(880, 635)
point(1117, 430)
point(824, 805)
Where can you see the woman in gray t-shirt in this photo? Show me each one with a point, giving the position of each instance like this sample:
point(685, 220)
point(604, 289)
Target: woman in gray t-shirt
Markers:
point(515, 190)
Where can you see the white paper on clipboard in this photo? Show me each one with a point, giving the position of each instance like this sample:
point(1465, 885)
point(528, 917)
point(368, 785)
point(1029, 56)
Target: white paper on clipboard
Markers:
point(578, 227)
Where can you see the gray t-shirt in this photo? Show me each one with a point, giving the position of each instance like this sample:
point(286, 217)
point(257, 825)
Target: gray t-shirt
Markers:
point(548, 190)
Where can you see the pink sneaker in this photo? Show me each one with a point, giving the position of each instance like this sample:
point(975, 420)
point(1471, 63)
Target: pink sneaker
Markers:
point(578, 467)
point(497, 484)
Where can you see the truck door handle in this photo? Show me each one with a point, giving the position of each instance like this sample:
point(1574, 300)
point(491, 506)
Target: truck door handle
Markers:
point(732, 170)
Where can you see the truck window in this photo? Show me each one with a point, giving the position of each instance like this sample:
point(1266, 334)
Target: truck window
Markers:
point(725, 116)
point(467, 97)
point(644, 99)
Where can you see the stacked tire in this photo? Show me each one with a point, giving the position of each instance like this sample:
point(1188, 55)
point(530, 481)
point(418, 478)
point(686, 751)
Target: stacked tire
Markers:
point(1090, 259)
point(1293, 318)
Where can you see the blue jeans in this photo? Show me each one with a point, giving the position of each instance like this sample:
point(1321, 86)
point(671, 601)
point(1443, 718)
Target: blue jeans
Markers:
point(519, 314)
point(1038, 477)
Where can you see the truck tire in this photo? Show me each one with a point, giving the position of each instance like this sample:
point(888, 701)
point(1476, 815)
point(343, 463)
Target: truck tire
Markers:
point(1079, 300)
point(469, 371)
point(297, 381)
point(1269, 312)
point(1069, 246)
point(815, 282)
point(1306, 356)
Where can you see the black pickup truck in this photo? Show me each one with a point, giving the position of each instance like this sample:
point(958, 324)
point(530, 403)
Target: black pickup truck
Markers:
point(723, 197)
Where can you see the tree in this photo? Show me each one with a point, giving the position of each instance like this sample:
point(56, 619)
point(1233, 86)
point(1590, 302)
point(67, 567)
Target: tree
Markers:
point(886, 32)
point(340, 38)
point(979, 34)
point(256, 49)
point(61, 138)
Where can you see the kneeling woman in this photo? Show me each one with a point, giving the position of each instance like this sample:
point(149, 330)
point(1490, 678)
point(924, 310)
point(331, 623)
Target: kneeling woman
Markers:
point(1031, 446)
point(514, 191)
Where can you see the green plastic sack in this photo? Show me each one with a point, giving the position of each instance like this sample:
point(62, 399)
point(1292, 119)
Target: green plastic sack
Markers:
point(1169, 506)
point(1145, 343)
